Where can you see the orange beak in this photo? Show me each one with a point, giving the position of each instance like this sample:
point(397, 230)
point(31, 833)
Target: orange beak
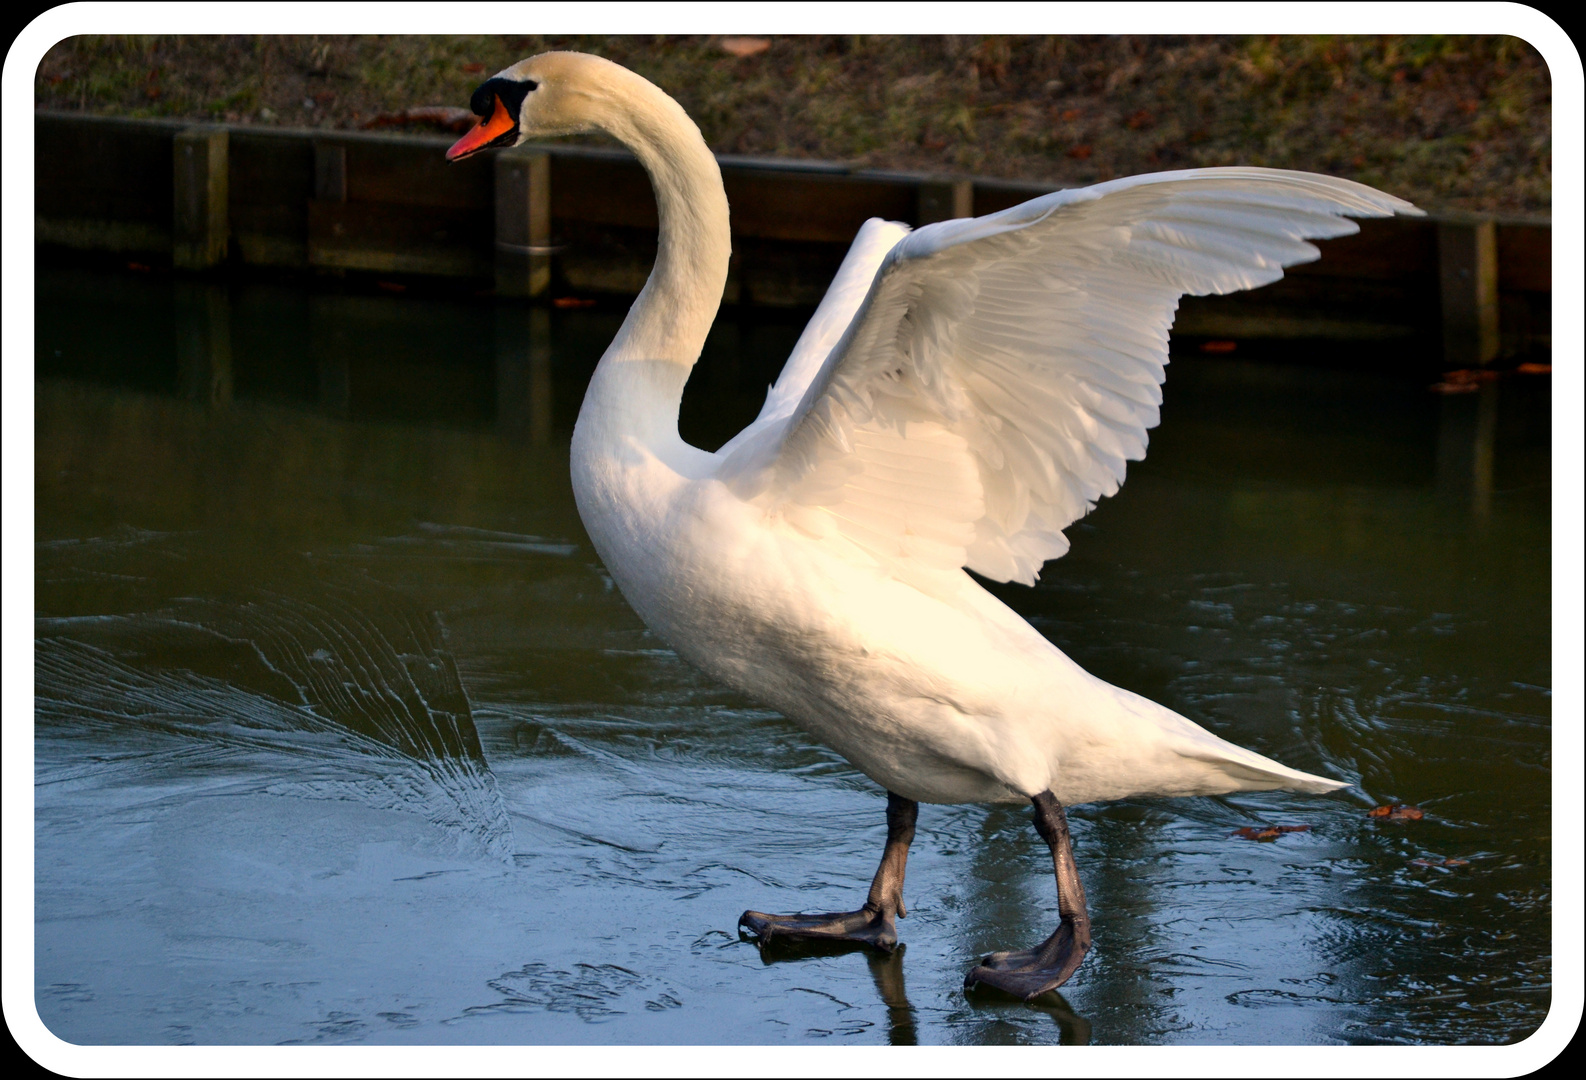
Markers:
point(483, 134)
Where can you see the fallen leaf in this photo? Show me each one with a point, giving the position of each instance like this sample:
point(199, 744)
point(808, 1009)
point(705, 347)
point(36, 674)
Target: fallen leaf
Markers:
point(1528, 368)
point(745, 46)
point(1139, 120)
point(572, 302)
point(1070, 114)
point(474, 69)
point(1397, 812)
point(1080, 152)
point(1267, 833)
point(1470, 375)
point(1219, 346)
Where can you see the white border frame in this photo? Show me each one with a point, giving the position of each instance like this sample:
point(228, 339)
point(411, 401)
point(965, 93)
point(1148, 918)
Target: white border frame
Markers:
point(16, 556)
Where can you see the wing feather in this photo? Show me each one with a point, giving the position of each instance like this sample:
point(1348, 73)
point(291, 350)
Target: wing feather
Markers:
point(973, 387)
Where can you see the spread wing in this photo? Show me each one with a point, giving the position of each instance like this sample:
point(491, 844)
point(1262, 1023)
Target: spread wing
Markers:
point(1000, 371)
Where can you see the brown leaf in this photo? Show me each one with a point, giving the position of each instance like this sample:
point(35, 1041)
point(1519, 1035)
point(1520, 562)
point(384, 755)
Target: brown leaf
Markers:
point(1397, 812)
point(1267, 833)
point(745, 46)
point(474, 69)
point(1080, 152)
point(1529, 368)
point(1470, 375)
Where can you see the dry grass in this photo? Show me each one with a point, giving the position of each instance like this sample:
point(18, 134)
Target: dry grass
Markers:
point(1453, 123)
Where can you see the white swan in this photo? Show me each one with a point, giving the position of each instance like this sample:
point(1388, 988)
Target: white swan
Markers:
point(963, 393)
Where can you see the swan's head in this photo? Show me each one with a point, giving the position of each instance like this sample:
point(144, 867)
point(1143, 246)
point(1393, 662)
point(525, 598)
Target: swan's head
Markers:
point(555, 93)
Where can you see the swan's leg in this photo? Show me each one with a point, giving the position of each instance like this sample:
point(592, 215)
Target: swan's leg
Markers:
point(1048, 965)
point(871, 924)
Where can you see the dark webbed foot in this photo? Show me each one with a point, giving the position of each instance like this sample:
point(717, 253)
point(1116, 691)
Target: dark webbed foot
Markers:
point(872, 924)
point(866, 926)
point(1033, 972)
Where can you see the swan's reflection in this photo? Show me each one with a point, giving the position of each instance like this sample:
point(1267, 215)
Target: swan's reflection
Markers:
point(1072, 1028)
point(886, 970)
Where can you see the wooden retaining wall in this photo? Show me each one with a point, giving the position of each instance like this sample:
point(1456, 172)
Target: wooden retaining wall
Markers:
point(568, 218)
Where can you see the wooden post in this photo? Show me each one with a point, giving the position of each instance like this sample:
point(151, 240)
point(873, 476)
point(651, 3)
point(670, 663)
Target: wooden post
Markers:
point(1467, 257)
point(199, 224)
point(943, 200)
point(523, 222)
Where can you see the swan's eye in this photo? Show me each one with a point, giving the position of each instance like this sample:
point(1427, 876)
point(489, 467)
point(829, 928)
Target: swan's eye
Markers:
point(510, 91)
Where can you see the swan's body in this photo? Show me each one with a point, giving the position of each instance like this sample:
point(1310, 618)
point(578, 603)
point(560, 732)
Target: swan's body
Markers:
point(964, 392)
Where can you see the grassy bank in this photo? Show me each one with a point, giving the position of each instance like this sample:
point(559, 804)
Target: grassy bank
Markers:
point(1453, 123)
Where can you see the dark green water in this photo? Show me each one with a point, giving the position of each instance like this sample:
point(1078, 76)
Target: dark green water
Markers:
point(343, 734)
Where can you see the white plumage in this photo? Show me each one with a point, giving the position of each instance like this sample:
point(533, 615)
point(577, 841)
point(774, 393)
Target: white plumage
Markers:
point(964, 392)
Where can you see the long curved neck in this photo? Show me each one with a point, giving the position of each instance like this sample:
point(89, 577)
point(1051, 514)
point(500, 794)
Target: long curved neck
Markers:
point(638, 385)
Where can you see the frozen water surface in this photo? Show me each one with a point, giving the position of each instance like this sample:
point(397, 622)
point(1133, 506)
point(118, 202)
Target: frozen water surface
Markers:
point(344, 736)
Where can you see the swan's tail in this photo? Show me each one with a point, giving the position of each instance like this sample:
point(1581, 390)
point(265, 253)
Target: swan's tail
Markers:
point(1247, 770)
point(1233, 768)
point(1222, 767)
point(1148, 750)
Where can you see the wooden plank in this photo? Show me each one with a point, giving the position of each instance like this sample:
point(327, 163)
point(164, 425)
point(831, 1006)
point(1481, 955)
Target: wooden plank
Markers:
point(103, 169)
point(603, 258)
point(813, 208)
point(271, 184)
point(993, 195)
point(109, 184)
point(795, 205)
point(601, 191)
point(442, 241)
point(1525, 257)
point(407, 173)
point(1385, 249)
point(773, 273)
